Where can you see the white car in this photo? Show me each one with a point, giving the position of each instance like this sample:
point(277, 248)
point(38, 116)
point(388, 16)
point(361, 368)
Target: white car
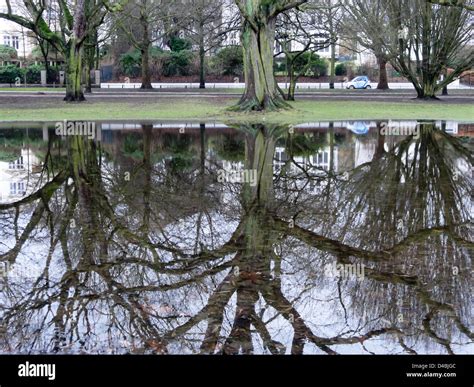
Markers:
point(361, 82)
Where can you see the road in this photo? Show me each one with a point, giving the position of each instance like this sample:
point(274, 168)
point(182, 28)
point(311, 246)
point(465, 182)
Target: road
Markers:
point(31, 97)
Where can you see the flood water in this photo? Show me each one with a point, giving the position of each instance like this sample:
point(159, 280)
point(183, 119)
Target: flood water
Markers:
point(152, 238)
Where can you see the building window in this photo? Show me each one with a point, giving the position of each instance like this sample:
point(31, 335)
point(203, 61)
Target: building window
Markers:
point(18, 164)
point(17, 188)
point(15, 42)
point(322, 160)
point(6, 40)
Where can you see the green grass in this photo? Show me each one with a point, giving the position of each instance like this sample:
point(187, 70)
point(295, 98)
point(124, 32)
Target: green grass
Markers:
point(215, 109)
point(32, 89)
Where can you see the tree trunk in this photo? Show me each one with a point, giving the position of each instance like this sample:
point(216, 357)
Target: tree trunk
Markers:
point(146, 75)
point(145, 51)
point(445, 87)
point(428, 90)
point(74, 55)
point(292, 86)
point(332, 77)
point(202, 66)
point(87, 74)
point(202, 57)
point(383, 78)
point(261, 92)
point(74, 92)
point(89, 58)
point(45, 52)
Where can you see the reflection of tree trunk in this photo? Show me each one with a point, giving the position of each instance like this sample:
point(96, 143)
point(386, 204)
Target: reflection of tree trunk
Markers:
point(201, 182)
point(240, 338)
point(380, 148)
point(258, 239)
point(147, 171)
point(86, 173)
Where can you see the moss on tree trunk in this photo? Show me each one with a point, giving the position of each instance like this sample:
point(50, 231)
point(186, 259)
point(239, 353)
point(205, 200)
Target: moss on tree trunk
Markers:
point(261, 92)
point(74, 91)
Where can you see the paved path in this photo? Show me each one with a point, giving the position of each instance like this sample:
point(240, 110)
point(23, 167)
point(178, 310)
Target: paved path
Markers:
point(27, 97)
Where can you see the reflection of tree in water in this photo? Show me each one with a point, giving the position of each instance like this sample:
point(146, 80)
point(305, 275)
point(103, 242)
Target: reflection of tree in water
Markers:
point(413, 204)
point(172, 261)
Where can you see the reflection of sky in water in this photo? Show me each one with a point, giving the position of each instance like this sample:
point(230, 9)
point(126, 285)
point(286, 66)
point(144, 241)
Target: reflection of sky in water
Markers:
point(147, 253)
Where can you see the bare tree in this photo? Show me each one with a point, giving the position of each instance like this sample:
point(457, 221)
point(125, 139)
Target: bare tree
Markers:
point(365, 24)
point(258, 41)
point(77, 22)
point(299, 40)
point(331, 13)
point(423, 40)
point(206, 23)
point(141, 23)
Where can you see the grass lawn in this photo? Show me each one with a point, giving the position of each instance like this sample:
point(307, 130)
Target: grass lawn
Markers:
point(215, 109)
point(30, 89)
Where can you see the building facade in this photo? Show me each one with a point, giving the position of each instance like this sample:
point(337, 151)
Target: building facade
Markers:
point(14, 35)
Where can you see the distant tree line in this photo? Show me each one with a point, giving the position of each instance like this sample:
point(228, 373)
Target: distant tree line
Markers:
point(426, 41)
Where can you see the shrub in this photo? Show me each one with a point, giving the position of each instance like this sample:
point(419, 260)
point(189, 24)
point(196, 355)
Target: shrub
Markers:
point(177, 44)
point(10, 74)
point(53, 74)
point(177, 62)
point(341, 69)
point(317, 67)
point(168, 63)
point(7, 53)
point(230, 61)
point(280, 66)
point(130, 63)
point(33, 74)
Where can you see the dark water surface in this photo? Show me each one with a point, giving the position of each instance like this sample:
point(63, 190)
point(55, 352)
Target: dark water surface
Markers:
point(211, 238)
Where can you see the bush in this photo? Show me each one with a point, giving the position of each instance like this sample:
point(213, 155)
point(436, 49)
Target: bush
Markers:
point(177, 62)
point(10, 74)
point(317, 67)
point(53, 74)
point(177, 44)
point(33, 74)
point(230, 61)
point(167, 63)
point(280, 66)
point(7, 53)
point(130, 63)
point(341, 69)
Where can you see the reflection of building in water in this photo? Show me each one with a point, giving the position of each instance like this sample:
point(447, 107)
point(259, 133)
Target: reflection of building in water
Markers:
point(320, 160)
point(364, 151)
point(16, 175)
